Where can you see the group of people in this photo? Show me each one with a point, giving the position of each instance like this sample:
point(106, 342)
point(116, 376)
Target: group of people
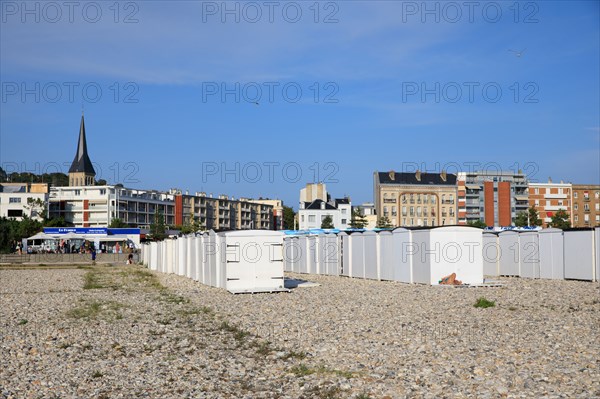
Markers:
point(93, 252)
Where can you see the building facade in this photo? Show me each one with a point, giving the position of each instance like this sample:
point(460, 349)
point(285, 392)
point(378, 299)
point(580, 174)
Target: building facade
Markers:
point(15, 197)
point(223, 212)
point(416, 199)
point(312, 214)
point(492, 197)
point(277, 213)
point(85, 205)
point(97, 206)
point(367, 209)
point(316, 204)
point(313, 191)
point(586, 205)
point(548, 198)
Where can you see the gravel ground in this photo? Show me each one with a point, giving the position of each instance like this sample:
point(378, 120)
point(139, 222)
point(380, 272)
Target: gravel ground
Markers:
point(124, 332)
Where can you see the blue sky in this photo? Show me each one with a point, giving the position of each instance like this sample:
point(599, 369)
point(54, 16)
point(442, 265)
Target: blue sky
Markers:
point(383, 85)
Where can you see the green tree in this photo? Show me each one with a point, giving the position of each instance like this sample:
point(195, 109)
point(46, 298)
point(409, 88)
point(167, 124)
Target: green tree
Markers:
point(560, 220)
point(8, 231)
point(27, 227)
point(521, 219)
point(384, 223)
point(327, 223)
point(37, 207)
point(13, 231)
point(529, 218)
point(534, 217)
point(56, 179)
point(288, 218)
point(117, 223)
point(477, 223)
point(158, 230)
point(57, 222)
point(358, 220)
point(190, 226)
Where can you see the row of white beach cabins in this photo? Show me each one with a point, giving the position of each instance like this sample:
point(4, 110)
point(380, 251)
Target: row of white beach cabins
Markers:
point(255, 260)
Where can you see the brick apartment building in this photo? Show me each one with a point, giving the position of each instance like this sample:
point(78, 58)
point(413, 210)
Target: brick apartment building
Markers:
point(550, 197)
point(492, 197)
point(586, 205)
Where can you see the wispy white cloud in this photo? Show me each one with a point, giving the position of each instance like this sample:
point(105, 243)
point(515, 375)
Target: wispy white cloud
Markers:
point(171, 45)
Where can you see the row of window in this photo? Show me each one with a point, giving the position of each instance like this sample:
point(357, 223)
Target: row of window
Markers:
point(548, 203)
point(547, 190)
point(417, 211)
point(312, 218)
point(586, 218)
point(575, 193)
point(586, 207)
point(586, 195)
point(422, 222)
point(419, 198)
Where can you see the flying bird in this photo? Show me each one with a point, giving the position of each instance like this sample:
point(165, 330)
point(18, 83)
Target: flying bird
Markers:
point(518, 54)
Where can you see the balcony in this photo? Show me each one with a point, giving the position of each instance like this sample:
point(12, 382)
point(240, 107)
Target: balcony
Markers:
point(554, 207)
point(389, 200)
point(554, 196)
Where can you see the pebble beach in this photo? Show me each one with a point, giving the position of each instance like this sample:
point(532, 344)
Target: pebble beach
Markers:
point(127, 332)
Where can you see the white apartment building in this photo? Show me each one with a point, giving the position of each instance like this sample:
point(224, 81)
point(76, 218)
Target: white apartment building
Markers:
point(85, 205)
point(319, 205)
point(14, 200)
point(96, 206)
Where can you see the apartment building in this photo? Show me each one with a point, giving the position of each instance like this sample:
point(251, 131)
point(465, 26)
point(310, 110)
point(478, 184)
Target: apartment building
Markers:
point(96, 206)
point(586, 205)
point(549, 198)
point(495, 197)
point(416, 199)
point(14, 199)
point(316, 204)
point(224, 212)
point(86, 205)
point(367, 209)
point(312, 214)
point(277, 217)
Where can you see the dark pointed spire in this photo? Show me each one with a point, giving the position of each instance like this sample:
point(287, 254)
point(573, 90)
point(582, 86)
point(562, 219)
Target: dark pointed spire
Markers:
point(82, 162)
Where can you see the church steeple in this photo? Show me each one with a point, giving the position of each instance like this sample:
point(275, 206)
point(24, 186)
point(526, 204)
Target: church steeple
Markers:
point(81, 172)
